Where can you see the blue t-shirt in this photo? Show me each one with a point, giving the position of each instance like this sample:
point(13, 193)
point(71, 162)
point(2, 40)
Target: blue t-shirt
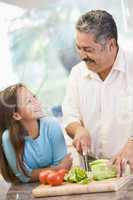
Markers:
point(47, 149)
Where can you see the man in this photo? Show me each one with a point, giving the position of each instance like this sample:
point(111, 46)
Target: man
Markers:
point(98, 107)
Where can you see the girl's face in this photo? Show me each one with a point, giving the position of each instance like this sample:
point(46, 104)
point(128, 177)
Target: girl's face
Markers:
point(29, 107)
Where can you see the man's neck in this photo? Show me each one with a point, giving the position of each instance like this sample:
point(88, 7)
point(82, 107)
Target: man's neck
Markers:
point(103, 75)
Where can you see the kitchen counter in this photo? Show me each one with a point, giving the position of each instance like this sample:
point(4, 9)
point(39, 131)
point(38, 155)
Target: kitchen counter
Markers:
point(23, 192)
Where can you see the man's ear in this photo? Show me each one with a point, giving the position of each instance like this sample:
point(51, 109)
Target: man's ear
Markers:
point(112, 43)
point(17, 116)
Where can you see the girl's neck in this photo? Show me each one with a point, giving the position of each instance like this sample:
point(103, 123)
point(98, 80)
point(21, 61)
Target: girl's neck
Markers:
point(32, 127)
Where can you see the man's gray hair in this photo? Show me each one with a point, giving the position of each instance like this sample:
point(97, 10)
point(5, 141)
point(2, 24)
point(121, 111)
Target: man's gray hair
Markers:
point(100, 23)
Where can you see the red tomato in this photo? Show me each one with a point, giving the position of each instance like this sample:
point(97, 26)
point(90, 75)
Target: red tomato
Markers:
point(43, 175)
point(54, 179)
point(62, 172)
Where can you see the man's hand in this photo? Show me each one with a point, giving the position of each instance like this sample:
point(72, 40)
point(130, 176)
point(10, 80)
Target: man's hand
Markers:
point(82, 141)
point(123, 158)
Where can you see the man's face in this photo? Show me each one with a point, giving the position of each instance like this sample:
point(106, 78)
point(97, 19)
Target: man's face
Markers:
point(97, 56)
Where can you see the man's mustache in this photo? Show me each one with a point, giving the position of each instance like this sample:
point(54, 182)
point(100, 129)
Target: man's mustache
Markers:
point(88, 60)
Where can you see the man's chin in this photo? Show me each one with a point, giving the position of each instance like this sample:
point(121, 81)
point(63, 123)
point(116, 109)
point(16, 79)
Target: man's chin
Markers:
point(92, 66)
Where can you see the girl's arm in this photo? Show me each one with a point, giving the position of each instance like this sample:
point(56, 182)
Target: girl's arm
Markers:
point(60, 157)
point(66, 163)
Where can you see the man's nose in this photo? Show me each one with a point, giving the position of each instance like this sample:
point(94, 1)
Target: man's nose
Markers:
point(82, 54)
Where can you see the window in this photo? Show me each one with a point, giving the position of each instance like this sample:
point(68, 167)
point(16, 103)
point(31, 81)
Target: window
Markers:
point(40, 47)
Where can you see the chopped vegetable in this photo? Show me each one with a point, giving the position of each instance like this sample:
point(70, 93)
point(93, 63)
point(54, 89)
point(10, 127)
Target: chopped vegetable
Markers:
point(102, 170)
point(84, 181)
point(99, 161)
point(77, 175)
point(54, 179)
point(43, 176)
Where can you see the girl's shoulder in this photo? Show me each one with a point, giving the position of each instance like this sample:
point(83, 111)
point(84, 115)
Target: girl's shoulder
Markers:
point(50, 125)
point(49, 121)
point(5, 137)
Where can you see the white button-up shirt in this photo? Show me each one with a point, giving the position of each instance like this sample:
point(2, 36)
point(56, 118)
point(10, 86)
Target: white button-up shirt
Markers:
point(104, 107)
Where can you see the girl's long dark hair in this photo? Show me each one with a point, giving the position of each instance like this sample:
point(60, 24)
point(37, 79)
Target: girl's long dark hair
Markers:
point(9, 105)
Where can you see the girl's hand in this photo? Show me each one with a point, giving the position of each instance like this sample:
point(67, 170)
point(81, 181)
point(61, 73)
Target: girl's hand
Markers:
point(66, 163)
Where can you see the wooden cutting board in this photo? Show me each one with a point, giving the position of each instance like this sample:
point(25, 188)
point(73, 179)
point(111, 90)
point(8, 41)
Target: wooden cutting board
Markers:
point(72, 188)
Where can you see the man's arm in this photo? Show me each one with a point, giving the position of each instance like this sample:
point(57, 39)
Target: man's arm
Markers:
point(80, 136)
point(72, 117)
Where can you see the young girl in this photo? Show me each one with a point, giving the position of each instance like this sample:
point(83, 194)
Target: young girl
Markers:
point(29, 142)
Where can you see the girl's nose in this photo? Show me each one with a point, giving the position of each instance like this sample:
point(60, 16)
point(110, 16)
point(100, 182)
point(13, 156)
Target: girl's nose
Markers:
point(36, 102)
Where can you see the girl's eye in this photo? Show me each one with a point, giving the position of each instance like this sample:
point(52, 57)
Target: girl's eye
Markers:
point(34, 96)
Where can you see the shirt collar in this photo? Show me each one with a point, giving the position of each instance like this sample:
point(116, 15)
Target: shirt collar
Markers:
point(86, 72)
point(119, 65)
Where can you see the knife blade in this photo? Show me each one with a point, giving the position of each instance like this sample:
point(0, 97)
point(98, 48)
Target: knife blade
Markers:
point(85, 162)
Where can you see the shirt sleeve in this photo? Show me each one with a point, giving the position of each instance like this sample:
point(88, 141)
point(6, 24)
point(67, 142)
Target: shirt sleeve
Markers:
point(11, 158)
point(58, 145)
point(70, 106)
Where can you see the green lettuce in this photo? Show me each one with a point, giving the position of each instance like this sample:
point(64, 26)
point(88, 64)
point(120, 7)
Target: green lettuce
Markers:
point(102, 170)
point(77, 175)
